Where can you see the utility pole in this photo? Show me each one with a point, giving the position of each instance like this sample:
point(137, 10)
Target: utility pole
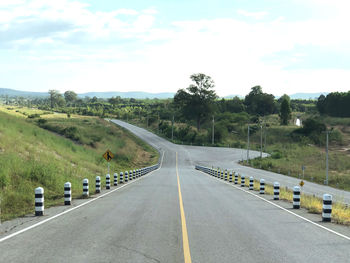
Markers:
point(212, 135)
point(265, 132)
point(248, 145)
point(327, 139)
point(260, 140)
point(172, 128)
point(158, 122)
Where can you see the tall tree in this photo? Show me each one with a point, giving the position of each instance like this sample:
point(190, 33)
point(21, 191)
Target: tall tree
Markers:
point(285, 110)
point(197, 101)
point(260, 103)
point(54, 97)
point(70, 96)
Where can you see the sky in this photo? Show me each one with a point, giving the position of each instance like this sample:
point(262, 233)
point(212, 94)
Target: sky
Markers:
point(286, 46)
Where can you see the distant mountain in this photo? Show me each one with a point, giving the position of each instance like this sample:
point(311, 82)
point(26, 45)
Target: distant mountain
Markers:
point(130, 94)
point(306, 96)
point(104, 95)
point(232, 96)
point(18, 93)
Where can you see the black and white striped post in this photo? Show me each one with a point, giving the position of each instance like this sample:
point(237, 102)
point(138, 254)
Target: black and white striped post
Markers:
point(108, 181)
point(242, 180)
point(327, 208)
point(296, 197)
point(121, 179)
point(98, 184)
point(276, 191)
point(115, 182)
point(251, 183)
point(262, 186)
point(86, 187)
point(230, 177)
point(222, 175)
point(130, 175)
point(39, 201)
point(126, 176)
point(236, 178)
point(225, 175)
point(134, 174)
point(67, 193)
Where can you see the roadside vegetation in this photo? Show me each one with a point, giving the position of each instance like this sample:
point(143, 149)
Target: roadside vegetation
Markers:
point(190, 116)
point(50, 149)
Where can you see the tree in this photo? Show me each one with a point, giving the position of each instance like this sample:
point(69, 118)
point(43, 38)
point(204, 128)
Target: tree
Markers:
point(197, 101)
point(259, 103)
point(70, 96)
point(285, 110)
point(55, 98)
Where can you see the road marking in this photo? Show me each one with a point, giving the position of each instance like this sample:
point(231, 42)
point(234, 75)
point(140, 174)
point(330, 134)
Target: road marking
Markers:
point(185, 244)
point(282, 208)
point(76, 207)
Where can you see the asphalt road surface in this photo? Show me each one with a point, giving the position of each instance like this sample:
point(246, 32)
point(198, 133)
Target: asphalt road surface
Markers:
point(178, 214)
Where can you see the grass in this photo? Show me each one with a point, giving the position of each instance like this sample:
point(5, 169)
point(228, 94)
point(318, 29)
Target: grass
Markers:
point(31, 156)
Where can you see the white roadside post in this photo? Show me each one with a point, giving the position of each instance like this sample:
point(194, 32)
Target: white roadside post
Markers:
point(98, 184)
point(108, 181)
point(121, 177)
point(230, 177)
point(86, 187)
point(39, 201)
point(242, 181)
point(115, 182)
point(327, 208)
point(296, 197)
point(126, 176)
point(262, 186)
point(251, 183)
point(67, 193)
point(276, 191)
point(236, 178)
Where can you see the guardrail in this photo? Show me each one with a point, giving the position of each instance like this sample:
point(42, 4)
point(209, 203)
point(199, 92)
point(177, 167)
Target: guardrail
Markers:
point(218, 173)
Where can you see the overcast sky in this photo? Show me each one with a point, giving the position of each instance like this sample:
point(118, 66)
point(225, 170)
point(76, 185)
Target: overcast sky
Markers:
point(155, 45)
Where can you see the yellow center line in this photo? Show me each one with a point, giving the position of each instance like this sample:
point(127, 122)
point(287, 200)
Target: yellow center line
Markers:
point(186, 246)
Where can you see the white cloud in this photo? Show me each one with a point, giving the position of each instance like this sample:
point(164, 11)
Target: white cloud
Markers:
point(124, 49)
point(255, 15)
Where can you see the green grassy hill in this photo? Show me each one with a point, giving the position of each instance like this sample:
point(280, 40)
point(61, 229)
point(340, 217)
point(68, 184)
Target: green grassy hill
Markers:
point(32, 156)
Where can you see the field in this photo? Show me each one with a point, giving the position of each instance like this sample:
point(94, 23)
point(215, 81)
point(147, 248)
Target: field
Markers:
point(32, 156)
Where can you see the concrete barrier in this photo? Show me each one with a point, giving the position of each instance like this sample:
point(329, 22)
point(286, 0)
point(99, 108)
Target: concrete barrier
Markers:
point(67, 193)
point(262, 186)
point(39, 201)
point(98, 184)
point(296, 197)
point(86, 187)
point(276, 191)
point(327, 208)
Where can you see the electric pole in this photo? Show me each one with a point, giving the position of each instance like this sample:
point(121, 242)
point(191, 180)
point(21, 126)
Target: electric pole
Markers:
point(172, 128)
point(212, 135)
point(248, 145)
point(260, 140)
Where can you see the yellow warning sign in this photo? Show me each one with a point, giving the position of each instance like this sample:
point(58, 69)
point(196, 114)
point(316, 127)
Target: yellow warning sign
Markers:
point(301, 183)
point(108, 155)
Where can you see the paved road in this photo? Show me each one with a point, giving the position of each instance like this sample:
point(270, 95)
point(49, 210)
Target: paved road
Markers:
point(178, 214)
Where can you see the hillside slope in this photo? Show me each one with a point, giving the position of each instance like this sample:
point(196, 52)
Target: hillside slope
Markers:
point(31, 156)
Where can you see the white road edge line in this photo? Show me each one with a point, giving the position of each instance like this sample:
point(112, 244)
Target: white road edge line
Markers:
point(282, 208)
point(76, 207)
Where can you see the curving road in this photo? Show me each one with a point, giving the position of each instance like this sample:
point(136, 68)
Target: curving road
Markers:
point(178, 214)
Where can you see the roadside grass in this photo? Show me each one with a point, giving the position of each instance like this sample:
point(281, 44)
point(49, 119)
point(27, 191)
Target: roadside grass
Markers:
point(31, 157)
